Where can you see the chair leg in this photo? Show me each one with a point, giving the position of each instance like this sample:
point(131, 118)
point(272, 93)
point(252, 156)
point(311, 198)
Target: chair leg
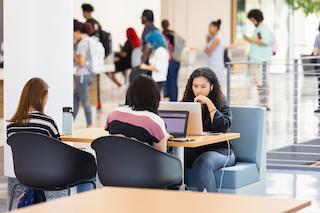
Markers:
point(12, 195)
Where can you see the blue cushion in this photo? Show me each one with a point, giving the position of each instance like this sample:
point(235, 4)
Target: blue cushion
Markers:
point(234, 177)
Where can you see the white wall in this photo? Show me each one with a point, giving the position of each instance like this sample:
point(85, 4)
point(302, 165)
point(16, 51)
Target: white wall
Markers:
point(191, 19)
point(38, 39)
point(117, 16)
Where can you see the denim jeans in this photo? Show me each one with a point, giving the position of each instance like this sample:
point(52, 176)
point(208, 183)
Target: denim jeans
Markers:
point(171, 89)
point(81, 93)
point(204, 166)
point(85, 186)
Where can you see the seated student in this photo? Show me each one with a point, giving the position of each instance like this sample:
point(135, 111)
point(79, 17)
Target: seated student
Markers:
point(139, 119)
point(124, 56)
point(203, 86)
point(30, 116)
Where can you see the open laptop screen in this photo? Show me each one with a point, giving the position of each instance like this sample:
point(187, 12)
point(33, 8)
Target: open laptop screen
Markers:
point(176, 122)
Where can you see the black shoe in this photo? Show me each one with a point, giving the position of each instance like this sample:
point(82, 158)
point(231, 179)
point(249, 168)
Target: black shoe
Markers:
point(317, 111)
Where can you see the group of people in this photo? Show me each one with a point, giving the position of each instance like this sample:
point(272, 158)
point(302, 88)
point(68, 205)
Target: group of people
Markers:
point(143, 95)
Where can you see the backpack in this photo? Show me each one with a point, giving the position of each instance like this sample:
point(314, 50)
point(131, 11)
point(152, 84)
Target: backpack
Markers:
point(106, 40)
point(274, 44)
point(97, 55)
point(30, 197)
point(178, 45)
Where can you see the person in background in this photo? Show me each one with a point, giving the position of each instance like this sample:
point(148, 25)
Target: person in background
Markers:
point(316, 52)
point(30, 116)
point(260, 49)
point(147, 21)
point(84, 77)
point(171, 89)
point(139, 119)
point(203, 87)
point(124, 55)
point(87, 9)
point(215, 52)
point(159, 59)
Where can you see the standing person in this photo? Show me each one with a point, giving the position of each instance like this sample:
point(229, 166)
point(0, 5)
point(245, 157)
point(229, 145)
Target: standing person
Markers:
point(30, 116)
point(215, 52)
point(87, 9)
point(171, 89)
point(147, 21)
point(84, 77)
point(124, 55)
point(203, 86)
point(260, 49)
point(159, 59)
point(316, 52)
point(139, 119)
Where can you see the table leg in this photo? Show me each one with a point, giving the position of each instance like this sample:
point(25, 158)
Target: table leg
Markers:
point(179, 153)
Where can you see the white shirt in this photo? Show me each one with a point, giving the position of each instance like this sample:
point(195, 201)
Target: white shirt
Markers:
point(160, 60)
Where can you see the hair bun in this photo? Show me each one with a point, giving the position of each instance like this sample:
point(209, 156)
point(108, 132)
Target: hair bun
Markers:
point(219, 22)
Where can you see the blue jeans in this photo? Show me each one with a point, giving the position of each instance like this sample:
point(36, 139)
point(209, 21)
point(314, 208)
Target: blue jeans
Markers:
point(205, 165)
point(85, 186)
point(172, 85)
point(81, 93)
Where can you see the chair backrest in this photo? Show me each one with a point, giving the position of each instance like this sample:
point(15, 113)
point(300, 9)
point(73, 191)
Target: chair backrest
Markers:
point(250, 122)
point(136, 57)
point(46, 163)
point(130, 163)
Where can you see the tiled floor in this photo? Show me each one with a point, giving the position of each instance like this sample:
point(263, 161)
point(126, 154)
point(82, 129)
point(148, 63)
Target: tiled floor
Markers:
point(280, 183)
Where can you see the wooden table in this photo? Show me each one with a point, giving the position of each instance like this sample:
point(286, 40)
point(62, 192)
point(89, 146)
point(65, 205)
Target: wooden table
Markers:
point(116, 199)
point(90, 134)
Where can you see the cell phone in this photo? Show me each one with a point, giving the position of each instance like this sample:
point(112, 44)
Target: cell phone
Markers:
point(181, 139)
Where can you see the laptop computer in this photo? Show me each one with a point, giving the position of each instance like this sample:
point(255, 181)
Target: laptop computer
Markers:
point(195, 114)
point(176, 122)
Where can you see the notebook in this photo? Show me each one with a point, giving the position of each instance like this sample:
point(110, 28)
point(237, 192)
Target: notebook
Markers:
point(176, 122)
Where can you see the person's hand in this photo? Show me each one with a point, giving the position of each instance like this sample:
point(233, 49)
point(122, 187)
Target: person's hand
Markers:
point(201, 99)
point(143, 66)
point(247, 38)
point(74, 54)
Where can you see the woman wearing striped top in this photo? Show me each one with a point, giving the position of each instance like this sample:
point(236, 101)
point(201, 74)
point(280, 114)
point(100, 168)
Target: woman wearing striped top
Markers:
point(139, 119)
point(29, 116)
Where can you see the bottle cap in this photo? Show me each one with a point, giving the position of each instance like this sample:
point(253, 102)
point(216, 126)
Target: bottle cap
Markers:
point(67, 109)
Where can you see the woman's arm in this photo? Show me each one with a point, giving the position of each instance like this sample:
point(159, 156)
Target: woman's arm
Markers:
point(215, 43)
point(257, 41)
point(147, 67)
point(81, 59)
point(162, 145)
point(222, 119)
point(315, 51)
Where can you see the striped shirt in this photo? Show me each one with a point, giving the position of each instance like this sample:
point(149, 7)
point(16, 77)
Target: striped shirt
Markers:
point(38, 123)
point(143, 126)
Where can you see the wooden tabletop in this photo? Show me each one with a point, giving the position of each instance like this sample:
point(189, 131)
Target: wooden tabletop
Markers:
point(116, 199)
point(90, 134)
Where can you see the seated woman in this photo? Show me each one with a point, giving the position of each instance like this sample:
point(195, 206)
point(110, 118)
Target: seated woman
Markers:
point(139, 119)
point(30, 116)
point(124, 55)
point(159, 58)
point(203, 86)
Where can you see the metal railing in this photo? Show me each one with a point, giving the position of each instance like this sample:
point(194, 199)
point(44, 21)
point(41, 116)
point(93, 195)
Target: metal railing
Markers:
point(292, 129)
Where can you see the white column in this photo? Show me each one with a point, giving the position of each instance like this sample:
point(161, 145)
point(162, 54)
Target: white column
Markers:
point(38, 39)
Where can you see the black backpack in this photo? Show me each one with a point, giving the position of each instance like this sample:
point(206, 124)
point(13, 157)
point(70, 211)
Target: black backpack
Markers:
point(105, 39)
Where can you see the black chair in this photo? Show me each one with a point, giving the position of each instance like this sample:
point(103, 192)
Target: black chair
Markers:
point(44, 163)
point(126, 162)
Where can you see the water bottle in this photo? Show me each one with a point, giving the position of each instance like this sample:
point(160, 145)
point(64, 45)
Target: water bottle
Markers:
point(67, 120)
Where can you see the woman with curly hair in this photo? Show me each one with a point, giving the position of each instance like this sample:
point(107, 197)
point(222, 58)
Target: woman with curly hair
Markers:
point(203, 86)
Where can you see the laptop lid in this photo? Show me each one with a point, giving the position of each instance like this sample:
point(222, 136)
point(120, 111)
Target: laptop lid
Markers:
point(195, 114)
point(176, 122)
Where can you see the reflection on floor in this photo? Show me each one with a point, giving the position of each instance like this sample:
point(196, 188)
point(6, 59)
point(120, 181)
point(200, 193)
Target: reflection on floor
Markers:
point(283, 184)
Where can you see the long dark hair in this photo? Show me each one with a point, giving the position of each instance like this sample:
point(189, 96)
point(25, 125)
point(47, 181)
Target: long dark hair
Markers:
point(32, 95)
point(216, 23)
point(215, 95)
point(143, 94)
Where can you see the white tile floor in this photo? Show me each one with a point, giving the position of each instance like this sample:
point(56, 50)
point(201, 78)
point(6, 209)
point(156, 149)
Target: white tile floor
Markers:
point(280, 183)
